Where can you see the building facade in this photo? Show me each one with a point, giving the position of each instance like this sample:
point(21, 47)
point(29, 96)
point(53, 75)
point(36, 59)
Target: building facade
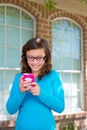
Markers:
point(66, 34)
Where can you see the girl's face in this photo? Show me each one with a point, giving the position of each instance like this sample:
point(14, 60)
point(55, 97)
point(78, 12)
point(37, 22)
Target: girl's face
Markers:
point(36, 59)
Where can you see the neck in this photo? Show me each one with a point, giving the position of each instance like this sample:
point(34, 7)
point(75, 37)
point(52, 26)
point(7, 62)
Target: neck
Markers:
point(36, 74)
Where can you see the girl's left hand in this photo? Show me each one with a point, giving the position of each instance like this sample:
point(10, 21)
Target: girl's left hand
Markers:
point(35, 89)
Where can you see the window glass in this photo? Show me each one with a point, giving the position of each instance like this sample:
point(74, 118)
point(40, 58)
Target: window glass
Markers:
point(2, 14)
point(27, 36)
point(76, 62)
point(1, 35)
point(12, 16)
point(66, 61)
point(8, 78)
point(1, 82)
point(71, 84)
point(76, 46)
point(66, 58)
point(76, 30)
point(4, 100)
point(16, 27)
point(12, 57)
point(1, 102)
point(27, 22)
point(1, 56)
point(13, 37)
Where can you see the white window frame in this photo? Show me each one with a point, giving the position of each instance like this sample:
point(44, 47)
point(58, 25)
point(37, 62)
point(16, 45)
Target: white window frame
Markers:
point(14, 69)
point(79, 72)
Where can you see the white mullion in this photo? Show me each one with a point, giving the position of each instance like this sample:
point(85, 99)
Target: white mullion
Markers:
point(82, 72)
point(6, 68)
point(61, 48)
point(71, 76)
point(71, 48)
point(5, 40)
point(4, 62)
point(20, 33)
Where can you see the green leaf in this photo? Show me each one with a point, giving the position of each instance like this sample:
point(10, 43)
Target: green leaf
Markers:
point(50, 4)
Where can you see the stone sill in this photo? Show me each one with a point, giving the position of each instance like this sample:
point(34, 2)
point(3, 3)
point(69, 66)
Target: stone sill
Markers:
point(6, 123)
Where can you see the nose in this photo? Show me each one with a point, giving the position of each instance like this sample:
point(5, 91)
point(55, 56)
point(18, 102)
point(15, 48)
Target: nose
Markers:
point(35, 61)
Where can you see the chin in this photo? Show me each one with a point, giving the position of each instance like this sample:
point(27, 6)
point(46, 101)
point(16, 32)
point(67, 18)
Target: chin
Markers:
point(36, 69)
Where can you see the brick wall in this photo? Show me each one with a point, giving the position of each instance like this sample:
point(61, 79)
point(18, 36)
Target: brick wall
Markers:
point(44, 19)
point(6, 128)
point(76, 121)
point(72, 121)
point(7, 125)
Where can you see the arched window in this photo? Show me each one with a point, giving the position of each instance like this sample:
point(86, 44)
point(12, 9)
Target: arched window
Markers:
point(67, 59)
point(16, 27)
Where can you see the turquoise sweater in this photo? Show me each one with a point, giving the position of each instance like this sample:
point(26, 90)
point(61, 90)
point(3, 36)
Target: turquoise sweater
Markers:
point(34, 112)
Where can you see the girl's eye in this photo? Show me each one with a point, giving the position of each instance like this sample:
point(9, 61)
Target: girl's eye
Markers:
point(38, 58)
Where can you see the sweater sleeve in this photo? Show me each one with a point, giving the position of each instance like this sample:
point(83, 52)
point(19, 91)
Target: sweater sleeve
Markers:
point(55, 100)
point(15, 97)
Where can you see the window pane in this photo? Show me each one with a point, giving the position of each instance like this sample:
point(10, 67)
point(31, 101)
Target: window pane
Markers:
point(56, 30)
point(56, 57)
point(16, 27)
point(12, 37)
point(27, 21)
point(1, 57)
point(76, 30)
point(66, 62)
point(2, 14)
point(5, 97)
point(72, 90)
point(1, 80)
point(76, 80)
point(1, 102)
point(26, 35)
point(3, 112)
point(76, 90)
point(9, 76)
point(56, 24)
point(66, 57)
point(13, 16)
point(56, 42)
point(66, 78)
point(1, 35)
point(66, 28)
point(66, 24)
point(66, 46)
point(66, 32)
point(76, 62)
point(12, 57)
point(76, 49)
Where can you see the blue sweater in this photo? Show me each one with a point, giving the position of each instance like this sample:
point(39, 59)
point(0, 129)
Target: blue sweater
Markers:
point(34, 112)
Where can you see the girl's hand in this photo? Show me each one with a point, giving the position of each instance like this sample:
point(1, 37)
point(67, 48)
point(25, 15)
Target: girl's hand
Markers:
point(35, 89)
point(25, 85)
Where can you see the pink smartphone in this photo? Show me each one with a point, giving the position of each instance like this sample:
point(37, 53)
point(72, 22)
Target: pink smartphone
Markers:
point(27, 77)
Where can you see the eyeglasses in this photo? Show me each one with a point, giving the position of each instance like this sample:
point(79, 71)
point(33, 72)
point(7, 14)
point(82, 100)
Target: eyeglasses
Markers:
point(38, 58)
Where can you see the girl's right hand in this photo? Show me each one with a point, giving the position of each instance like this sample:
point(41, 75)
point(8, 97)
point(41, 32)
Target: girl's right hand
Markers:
point(24, 85)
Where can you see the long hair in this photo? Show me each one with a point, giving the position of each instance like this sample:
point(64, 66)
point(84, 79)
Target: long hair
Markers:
point(36, 43)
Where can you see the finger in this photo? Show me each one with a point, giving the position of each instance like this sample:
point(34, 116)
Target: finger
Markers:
point(28, 87)
point(33, 84)
point(35, 90)
point(36, 93)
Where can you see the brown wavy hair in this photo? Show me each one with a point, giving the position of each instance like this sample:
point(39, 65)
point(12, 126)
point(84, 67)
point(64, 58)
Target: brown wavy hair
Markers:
point(36, 43)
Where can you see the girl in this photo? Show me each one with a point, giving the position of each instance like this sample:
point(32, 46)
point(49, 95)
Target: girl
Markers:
point(35, 100)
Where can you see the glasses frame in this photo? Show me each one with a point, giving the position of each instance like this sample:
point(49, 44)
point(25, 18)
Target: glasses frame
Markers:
point(38, 58)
